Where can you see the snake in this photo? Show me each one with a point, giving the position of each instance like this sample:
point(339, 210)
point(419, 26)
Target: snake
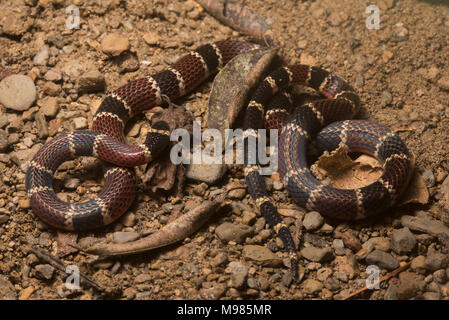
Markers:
point(327, 120)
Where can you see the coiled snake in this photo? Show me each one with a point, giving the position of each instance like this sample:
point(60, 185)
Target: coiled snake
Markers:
point(107, 141)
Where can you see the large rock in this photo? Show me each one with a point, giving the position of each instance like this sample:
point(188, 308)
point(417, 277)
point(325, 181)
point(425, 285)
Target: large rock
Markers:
point(208, 173)
point(312, 220)
point(233, 232)
point(7, 291)
point(114, 44)
point(317, 254)
point(17, 92)
point(261, 255)
point(382, 260)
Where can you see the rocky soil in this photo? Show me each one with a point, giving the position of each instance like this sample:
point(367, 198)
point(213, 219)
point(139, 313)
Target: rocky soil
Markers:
point(399, 70)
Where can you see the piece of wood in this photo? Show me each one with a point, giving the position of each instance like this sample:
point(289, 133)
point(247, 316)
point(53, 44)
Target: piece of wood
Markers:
point(241, 18)
point(173, 232)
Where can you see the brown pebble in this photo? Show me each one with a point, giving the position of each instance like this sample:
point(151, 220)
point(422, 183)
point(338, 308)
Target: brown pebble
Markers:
point(26, 293)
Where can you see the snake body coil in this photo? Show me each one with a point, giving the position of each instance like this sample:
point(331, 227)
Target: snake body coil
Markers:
point(106, 140)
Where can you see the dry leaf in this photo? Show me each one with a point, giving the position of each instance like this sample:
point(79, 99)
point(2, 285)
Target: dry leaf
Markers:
point(340, 171)
point(162, 173)
point(416, 191)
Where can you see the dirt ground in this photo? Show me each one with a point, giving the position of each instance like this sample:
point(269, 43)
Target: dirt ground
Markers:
point(399, 70)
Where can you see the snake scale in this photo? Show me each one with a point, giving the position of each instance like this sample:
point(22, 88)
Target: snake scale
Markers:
point(339, 102)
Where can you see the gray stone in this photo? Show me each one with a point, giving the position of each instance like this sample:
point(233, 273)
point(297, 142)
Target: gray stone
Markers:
point(332, 284)
point(444, 188)
point(200, 189)
point(80, 123)
point(382, 260)
point(323, 273)
point(92, 81)
point(49, 106)
point(436, 260)
point(212, 291)
point(122, 237)
point(41, 58)
point(425, 223)
point(239, 274)
point(72, 183)
point(312, 220)
point(114, 44)
point(379, 243)
point(419, 264)
point(86, 242)
point(402, 241)
point(17, 92)
point(41, 124)
point(3, 218)
point(3, 141)
point(261, 255)
point(237, 194)
point(400, 32)
point(233, 232)
point(44, 271)
point(386, 98)
point(339, 247)
point(53, 75)
point(317, 254)
point(443, 83)
point(431, 296)
point(143, 277)
point(287, 279)
point(7, 291)
point(219, 259)
point(311, 286)
point(209, 173)
point(391, 293)
point(440, 276)
point(129, 219)
point(143, 295)
point(409, 285)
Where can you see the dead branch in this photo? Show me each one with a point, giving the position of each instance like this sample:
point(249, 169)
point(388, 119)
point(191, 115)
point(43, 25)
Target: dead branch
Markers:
point(59, 265)
point(241, 18)
point(176, 231)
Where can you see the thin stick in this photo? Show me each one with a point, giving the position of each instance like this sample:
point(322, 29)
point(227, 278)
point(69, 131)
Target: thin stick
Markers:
point(59, 265)
point(385, 277)
point(175, 231)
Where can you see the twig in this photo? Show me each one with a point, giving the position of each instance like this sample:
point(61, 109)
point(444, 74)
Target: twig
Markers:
point(386, 277)
point(175, 231)
point(241, 18)
point(58, 264)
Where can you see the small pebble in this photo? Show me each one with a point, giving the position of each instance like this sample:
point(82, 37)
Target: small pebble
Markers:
point(382, 260)
point(312, 220)
point(402, 241)
point(317, 254)
point(114, 44)
point(123, 237)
